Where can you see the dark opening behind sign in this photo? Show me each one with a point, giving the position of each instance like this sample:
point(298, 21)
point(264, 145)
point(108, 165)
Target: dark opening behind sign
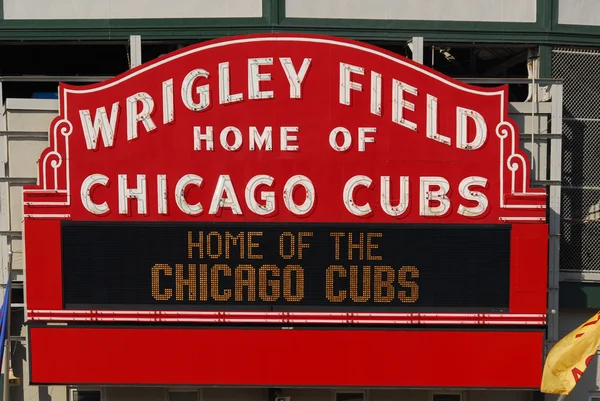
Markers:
point(286, 266)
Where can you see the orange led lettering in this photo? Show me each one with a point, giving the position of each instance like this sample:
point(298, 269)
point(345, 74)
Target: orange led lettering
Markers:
point(245, 278)
point(203, 277)
point(412, 295)
point(252, 245)
point(337, 237)
point(231, 239)
point(189, 282)
point(383, 290)
point(329, 285)
point(365, 286)
point(371, 246)
point(301, 244)
point(214, 282)
point(192, 244)
point(298, 292)
point(264, 284)
point(168, 271)
point(210, 248)
point(352, 246)
point(289, 238)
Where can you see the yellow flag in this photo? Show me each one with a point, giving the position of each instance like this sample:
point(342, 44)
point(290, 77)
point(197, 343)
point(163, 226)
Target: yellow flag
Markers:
point(569, 358)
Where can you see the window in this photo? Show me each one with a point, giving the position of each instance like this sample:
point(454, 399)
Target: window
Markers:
point(183, 396)
point(446, 397)
point(349, 396)
point(87, 395)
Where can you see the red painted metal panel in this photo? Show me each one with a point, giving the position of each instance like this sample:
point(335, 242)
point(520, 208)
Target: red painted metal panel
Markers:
point(529, 268)
point(320, 104)
point(364, 358)
point(528, 281)
point(43, 258)
point(444, 142)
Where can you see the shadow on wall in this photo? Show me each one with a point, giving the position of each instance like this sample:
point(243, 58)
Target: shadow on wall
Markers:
point(572, 295)
point(19, 363)
point(580, 224)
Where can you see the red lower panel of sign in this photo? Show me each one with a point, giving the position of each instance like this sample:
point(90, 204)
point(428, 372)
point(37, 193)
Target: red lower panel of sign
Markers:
point(269, 357)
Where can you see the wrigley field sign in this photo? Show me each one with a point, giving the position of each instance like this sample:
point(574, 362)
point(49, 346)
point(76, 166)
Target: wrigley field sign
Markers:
point(286, 178)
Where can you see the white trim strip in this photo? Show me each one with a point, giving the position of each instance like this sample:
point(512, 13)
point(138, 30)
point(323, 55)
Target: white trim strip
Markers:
point(329, 314)
point(294, 320)
point(287, 317)
point(522, 219)
point(47, 216)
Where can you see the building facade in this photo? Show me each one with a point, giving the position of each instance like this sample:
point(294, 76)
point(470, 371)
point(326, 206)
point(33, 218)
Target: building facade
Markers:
point(545, 50)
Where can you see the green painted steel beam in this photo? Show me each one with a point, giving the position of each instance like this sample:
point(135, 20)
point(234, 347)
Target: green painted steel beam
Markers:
point(544, 32)
point(579, 295)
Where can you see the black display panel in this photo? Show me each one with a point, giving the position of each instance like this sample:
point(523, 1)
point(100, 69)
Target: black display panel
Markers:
point(285, 266)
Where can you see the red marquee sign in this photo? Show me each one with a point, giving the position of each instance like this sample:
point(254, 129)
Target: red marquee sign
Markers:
point(288, 180)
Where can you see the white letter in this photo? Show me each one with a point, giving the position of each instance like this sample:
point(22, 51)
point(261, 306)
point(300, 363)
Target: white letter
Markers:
point(86, 194)
point(199, 136)
point(168, 110)
point(475, 196)
point(288, 195)
point(386, 204)
point(102, 124)
point(362, 138)
point(133, 116)
point(346, 84)
point(161, 186)
point(432, 125)
point(266, 138)
point(238, 138)
point(268, 197)
point(295, 79)
point(375, 93)
point(224, 86)
point(254, 78)
point(224, 184)
point(203, 91)
point(285, 138)
point(183, 182)
point(427, 195)
point(352, 207)
point(138, 193)
point(461, 129)
point(333, 135)
point(399, 103)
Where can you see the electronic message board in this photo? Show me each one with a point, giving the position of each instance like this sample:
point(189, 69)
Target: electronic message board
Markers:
point(282, 182)
point(295, 266)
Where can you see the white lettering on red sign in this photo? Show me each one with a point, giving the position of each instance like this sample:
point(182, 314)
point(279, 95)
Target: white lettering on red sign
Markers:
point(195, 91)
point(433, 195)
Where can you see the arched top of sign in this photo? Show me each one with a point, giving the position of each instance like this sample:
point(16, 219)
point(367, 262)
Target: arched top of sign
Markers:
point(288, 40)
point(284, 127)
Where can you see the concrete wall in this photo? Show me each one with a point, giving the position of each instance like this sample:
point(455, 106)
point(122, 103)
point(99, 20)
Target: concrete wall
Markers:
point(428, 10)
point(134, 9)
point(25, 125)
point(579, 12)
point(26, 122)
point(253, 394)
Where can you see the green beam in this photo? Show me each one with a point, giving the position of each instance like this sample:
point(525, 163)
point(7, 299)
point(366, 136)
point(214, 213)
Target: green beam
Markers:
point(579, 295)
point(545, 61)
